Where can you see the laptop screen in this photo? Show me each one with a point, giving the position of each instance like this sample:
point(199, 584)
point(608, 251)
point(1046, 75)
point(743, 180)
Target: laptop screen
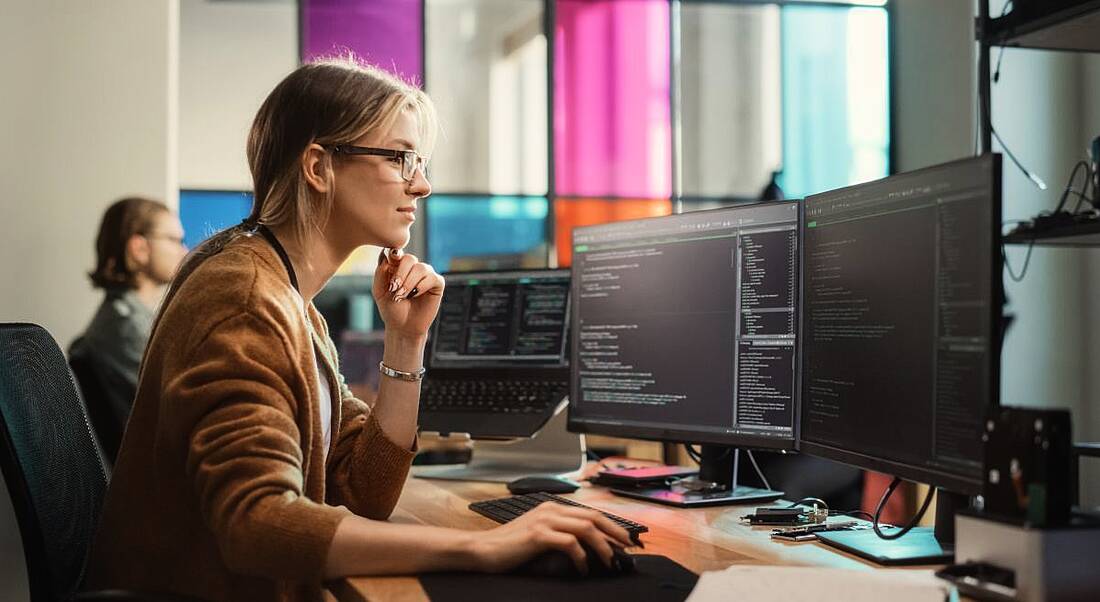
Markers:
point(502, 319)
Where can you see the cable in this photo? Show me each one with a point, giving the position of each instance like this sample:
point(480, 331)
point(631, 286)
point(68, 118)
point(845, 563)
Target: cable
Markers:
point(1069, 184)
point(1027, 260)
point(809, 501)
point(912, 523)
point(698, 455)
point(1001, 54)
point(760, 473)
point(694, 455)
point(1034, 178)
point(996, 78)
point(867, 516)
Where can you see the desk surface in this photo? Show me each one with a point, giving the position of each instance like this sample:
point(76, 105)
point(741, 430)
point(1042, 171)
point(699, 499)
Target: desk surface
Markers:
point(701, 539)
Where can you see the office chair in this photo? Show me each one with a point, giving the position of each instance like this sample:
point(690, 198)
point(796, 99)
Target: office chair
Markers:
point(51, 464)
point(106, 424)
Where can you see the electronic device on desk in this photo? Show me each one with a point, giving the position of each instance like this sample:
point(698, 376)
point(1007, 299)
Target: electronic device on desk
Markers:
point(506, 509)
point(1026, 541)
point(685, 329)
point(641, 477)
point(1027, 465)
point(498, 370)
point(542, 484)
point(900, 358)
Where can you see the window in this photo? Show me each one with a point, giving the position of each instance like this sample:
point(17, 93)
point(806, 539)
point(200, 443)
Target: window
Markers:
point(621, 108)
point(486, 232)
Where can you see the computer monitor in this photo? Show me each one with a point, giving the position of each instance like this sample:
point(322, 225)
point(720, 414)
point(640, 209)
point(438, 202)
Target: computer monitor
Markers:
point(685, 329)
point(900, 352)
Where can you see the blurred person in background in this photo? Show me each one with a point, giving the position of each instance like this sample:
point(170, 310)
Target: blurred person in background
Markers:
point(138, 248)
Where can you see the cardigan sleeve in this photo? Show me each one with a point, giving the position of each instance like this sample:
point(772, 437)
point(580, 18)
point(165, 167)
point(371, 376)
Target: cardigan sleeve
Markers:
point(232, 400)
point(368, 469)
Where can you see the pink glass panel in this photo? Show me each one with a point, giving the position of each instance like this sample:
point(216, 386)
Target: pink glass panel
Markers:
point(386, 33)
point(612, 135)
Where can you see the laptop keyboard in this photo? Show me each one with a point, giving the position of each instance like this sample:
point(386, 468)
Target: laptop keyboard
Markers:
point(491, 395)
point(506, 509)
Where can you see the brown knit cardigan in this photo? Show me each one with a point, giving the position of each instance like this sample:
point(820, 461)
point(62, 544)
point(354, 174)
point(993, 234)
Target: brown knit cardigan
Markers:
point(222, 489)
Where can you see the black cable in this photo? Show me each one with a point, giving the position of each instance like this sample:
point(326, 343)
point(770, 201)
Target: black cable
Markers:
point(1001, 54)
point(912, 523)
point(997, 71)
point(810, 501)
point(996, 78)
point(1039, 183)
point(1027, 261)
point(698, 455)
point(867, 516)
point(1069, 184)
point(694, 455)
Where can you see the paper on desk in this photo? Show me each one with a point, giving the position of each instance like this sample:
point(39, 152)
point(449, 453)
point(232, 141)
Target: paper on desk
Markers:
point(805, 584)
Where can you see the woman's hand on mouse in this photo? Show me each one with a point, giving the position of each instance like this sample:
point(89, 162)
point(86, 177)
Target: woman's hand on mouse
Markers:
point(549, 527)
point(407, 292)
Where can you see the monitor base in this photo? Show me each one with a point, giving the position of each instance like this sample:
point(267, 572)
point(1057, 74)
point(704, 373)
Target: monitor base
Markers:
point(696, 499)
point(553, 450)
point(918, 546)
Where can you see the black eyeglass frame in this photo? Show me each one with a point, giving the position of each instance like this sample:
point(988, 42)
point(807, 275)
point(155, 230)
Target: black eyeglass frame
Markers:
point(408, 157)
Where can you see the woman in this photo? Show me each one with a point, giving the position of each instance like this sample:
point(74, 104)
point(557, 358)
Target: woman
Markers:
point(248, 471)
point(139, 246)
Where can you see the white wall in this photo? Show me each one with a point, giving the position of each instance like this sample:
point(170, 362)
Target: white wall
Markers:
point(934, 81)
point(87, 115)
point(231, 55)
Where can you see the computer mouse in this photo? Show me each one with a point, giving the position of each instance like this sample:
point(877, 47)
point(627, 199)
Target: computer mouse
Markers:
point(559, 565)
point(543, 483)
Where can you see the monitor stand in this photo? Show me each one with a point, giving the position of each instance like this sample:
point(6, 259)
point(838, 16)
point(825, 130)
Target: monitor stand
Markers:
point(921, 545)
point(553, 450)
point(716, 484)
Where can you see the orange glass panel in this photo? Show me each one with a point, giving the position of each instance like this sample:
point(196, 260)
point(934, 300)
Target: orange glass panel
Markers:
point(570, 213)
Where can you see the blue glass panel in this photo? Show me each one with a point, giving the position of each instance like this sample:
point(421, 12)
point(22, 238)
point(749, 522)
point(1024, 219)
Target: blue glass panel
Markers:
point(835, 97)
point(486, 232)
point(204, 212)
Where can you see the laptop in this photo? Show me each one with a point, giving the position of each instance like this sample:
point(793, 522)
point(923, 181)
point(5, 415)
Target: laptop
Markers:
point(498, 354)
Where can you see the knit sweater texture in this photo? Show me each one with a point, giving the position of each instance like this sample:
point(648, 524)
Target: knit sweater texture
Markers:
point(222, 489)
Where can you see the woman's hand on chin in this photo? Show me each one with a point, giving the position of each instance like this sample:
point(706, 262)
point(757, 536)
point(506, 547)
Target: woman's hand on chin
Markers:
point(407, 292)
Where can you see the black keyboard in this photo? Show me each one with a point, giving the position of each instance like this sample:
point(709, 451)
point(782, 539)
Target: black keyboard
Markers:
point(491, 395)
point(505, 509)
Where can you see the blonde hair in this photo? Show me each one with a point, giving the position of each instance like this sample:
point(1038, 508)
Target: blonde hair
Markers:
point(329, 101)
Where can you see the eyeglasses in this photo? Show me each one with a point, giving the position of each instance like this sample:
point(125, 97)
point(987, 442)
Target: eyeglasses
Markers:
point(410, 159)
point(169, 237)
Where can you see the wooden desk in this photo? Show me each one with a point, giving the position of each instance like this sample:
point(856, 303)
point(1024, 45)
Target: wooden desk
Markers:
point(701, 539)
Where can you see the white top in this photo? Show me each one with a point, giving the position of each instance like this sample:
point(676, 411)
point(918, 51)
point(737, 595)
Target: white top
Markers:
point(326, 401)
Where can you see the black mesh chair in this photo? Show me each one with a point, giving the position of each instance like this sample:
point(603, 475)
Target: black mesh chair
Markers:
point(52, 466)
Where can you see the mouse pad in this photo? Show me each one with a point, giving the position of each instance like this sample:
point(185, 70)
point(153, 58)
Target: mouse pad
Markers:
point(655, 578)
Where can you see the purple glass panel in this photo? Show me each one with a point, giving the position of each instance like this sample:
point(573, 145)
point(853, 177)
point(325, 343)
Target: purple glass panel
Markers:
point(386, 33)
point(612, 134)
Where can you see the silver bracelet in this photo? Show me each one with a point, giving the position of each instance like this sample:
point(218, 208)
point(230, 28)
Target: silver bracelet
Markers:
point(401, 375)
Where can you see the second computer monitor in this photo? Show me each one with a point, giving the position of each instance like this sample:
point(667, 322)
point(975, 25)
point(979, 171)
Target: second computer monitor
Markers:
point(901, 311)
point(685, 327)
point(902, 306)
